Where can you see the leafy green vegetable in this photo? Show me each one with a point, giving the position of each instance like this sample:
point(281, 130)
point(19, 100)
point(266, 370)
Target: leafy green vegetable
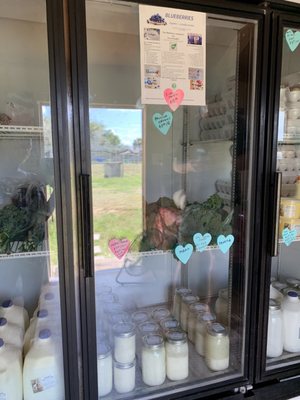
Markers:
point(208, 216)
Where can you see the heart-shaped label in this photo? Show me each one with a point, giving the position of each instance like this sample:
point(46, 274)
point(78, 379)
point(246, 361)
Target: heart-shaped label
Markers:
point(293, 39)
point(173, 98)
point(119, 247)
point(201, 241)
point(184, 253)
point(289, 235)
point(163, 122)
point(225, 243)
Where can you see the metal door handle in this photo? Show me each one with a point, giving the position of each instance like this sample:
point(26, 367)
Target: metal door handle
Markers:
point(86, 225)
point(278, 180)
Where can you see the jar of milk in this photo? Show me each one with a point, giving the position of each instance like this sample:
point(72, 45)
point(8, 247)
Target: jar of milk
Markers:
point(275, 329)
point(160, 313)
point(186, 301)
point(216, 347)
point(221, 306)
point(153, 360)
point(104, 370)
point(195, 309)
point(291, 322)
point(168, 324)
point(139, 317)
point(124, 342)
point(124, 376)
point(177, 301)
point(177, 355)
point(200, 331)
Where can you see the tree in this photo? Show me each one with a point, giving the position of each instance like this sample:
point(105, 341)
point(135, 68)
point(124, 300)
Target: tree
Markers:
point(109, 137)
point(137, 142)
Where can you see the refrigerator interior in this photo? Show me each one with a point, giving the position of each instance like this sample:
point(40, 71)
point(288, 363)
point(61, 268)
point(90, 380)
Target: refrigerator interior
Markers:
point(285, 267)
point(191, 163)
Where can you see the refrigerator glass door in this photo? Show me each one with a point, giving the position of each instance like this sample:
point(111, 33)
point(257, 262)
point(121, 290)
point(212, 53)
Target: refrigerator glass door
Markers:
point(29, 286)
point(171, 198)
point(283, 340)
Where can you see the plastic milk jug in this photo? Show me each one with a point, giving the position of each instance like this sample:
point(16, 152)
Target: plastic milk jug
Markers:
point(11, 333)
point(42, 320)
point(14, 314)
point(11, 386)
point(291, 322)
point(48, 301)
point(43, 369)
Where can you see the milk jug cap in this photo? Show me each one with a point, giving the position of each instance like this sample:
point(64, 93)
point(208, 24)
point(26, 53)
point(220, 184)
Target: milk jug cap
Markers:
point(292, 294)
point(44, 334)
point(3, 321)
point(7, 303)
point(49, 296)
point(1, 342)
point(42, 313)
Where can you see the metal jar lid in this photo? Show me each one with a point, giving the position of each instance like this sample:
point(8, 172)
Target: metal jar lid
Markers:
point(183, 291)
point(279, 285)
point(160, 313)
point(198, 307)
point(169, 323)
point(274, 305)
point(124, 365)
point(104, 350)
point(189, 299)
point(123, 316)
point(176, 337)
point(293, 282)
point(148, 327)
point(207, 317)
point(216, 329)
point(153, 341)
point(139, 317)
point(124, 329)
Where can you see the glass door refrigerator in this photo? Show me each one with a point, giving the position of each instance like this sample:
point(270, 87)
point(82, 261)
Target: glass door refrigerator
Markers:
point(168, 288)
point(278, 357)
point(39, 354)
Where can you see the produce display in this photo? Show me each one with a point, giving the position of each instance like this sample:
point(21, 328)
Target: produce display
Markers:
point(167, 225)
point(22, 223)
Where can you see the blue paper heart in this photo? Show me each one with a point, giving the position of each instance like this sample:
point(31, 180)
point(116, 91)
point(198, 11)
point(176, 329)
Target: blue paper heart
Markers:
point(225, 243)
point(201, 242)
point(289, 235)
point(163, 122)
point(184, 253)
point(293, 39)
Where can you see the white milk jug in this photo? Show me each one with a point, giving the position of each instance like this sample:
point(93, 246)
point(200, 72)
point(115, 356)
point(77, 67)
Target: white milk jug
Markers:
point(291, 322)
point(14, 314)
point(48, 301)
point(11, 386)
point(43, 369)
point(11, 334)
point(41, 321)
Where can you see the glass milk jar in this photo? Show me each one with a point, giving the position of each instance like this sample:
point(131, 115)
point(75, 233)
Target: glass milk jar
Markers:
point(104, 369)
point(221, 306)
point(160, 313)
point(275, 329)
point(186, 301)
point(200, 331)
point(168, 324)
point(195, 310)
point(177, 355)
point(124, 376)
point(177, 301)
point(153, 360)
point(124, 341)
point(216, 347)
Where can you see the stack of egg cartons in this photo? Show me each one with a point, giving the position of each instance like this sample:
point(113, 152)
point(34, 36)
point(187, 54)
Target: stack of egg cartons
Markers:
point(291, 97)
point(13, 322)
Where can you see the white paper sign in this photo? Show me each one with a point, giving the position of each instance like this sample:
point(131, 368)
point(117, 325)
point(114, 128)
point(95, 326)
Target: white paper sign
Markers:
point(173, 53)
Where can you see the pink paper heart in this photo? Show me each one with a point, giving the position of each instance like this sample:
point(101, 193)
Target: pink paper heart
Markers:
point(173, 98)
point(119, 247)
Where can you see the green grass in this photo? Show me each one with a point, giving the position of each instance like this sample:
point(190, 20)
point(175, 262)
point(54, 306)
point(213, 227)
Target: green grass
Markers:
point(117, 208)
